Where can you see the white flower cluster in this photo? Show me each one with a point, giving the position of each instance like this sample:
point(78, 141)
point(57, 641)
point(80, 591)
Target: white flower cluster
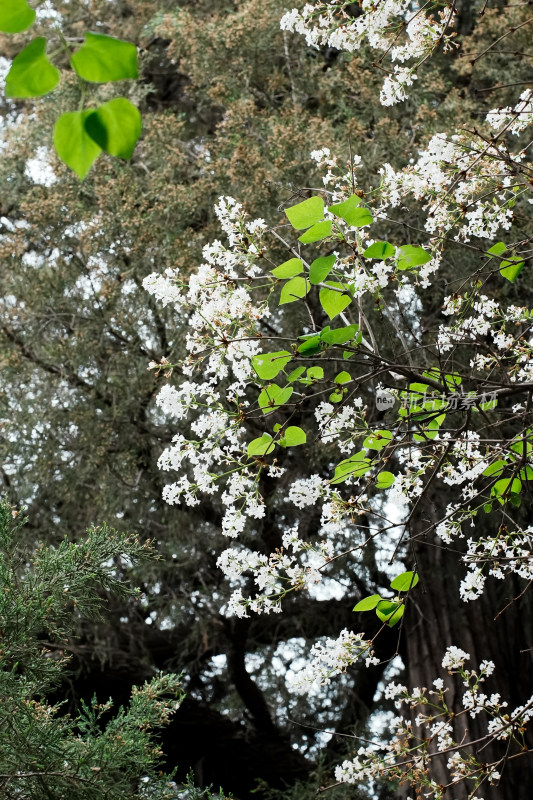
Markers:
point(222, 337)
point(504, 554)
point(454, 658)
point(331, 657)
point(307, 491)
point(469, 462)
point(485, 316)
point(405, 757)
point(274, 575)
point(340, 426)
point(378, 25)
point(463, 187)
point(515, 120)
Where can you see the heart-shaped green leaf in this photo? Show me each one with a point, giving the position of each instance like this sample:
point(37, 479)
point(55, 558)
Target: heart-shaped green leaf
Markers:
point(497, 249)
point(377, 440)
point(262, 446)
point(409, 256)
point(320, 269)
point(305, 214)
point(73, 144)
point(355, 467)
point(288, 269)
point(388, 612)
point(315, 373)
point(31, 74)
point(404, 582)
point(496, 468)
point(268, 365)
point(316, 232)
point(349, 211)
point(103, 58)
point(310, 346)
point(367, 603)
point(345, 209)
point(15, 16)
point(343, 377)
point(334, 302)
point(339, 335)
point(293, 437)
point(273, 396)
point(359, 217)
point(295, 374)
point(384, 480)
point(381, 250)
point(293, 290)
point(511, 269)
point(115, 126)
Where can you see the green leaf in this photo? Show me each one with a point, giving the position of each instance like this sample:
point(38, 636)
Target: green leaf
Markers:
point(320, 269)
point(404, 582)
point(268, 365)
point(262, 446)
point(343, 377)
point(378, 440)
point(453, 381)
point(293, 290)
point(350, 213)
point(339, 335)
point(115, 126)
point(334, 302)
point(358, 218)
point(103, 58)
point(295, 374)
point(273, 396)
point(15, 16)
point(409, 256)
point(305, 214)
point(355, 466)
point(489, 405)
point(347, 206)
point(388, 612)
point(73, 144)
point(381, 250)
point(310, 346)
point(495, 468)
point(526, 474)
point(519, 445)
point(418, 388)
point(367, 603)
point(504, 488)
point(384, 480)
point(497, 249)
point(315, 373)
point(288, 269)
point(293, 437)
point(31, 74)
point(317, 232)
point(511, 269)
point(336, 397)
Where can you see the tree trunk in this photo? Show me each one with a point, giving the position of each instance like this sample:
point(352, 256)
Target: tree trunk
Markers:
point(437, 617)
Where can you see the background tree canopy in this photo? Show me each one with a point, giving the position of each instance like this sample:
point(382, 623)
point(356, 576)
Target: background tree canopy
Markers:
point(231, 105)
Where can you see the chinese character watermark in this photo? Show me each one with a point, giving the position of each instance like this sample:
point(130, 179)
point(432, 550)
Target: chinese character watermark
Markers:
point(414, 401)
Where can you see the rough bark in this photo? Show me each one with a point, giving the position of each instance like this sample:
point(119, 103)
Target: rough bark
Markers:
point(439, 617)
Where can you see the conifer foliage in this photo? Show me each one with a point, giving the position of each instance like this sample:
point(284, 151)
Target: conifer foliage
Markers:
point(46, 752)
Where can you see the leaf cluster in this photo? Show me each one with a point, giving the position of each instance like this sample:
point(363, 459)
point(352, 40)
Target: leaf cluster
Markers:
point(44, 751)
